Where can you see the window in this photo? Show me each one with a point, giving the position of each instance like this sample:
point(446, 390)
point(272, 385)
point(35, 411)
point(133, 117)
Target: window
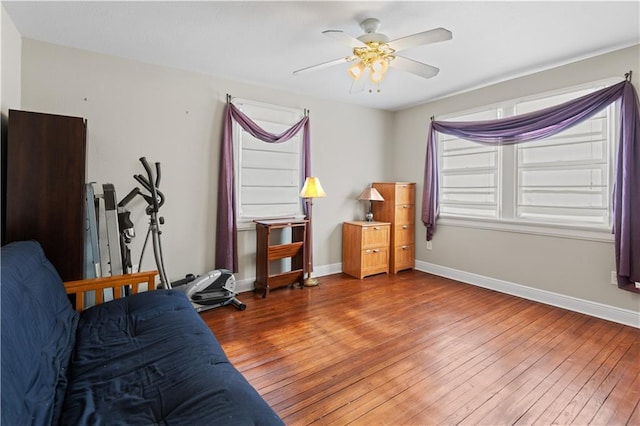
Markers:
point(562, 180)
point(267, 175)
point(469, 173)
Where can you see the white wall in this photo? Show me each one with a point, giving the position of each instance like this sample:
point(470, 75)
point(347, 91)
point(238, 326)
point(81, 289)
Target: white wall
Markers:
point(10, 75)
point(11, 47)
point(174, 117)
point(575, 268)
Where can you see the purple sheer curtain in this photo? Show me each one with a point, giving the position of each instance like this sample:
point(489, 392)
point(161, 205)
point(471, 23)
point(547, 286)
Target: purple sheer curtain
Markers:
point(226, 229)
point(547, 122)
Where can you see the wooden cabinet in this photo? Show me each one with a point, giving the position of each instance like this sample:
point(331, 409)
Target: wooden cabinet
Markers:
point(399, 209)
point(268, 251)
point(365, 248)
point(44, 168)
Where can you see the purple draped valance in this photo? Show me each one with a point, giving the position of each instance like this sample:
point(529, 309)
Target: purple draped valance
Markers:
point(226, 228)
point(547, 122)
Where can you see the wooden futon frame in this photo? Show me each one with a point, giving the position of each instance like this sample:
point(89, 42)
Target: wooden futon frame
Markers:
point(116, 283)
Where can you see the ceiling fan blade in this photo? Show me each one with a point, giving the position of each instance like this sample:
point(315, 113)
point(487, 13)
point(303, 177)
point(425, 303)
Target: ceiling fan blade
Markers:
point(344, 38)
point(419, 39)
point(323, 65)
point(414, 67)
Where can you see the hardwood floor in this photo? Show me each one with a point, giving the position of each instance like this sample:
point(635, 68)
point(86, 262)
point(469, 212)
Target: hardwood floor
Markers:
point(416, 349)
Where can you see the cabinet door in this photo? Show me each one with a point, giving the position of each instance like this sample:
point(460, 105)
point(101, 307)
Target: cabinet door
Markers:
point(405, 214)
point(404, 256)
point(374, 261)
point(45, 187)
point(404, 234)
point(375, 236)
point(405, 194)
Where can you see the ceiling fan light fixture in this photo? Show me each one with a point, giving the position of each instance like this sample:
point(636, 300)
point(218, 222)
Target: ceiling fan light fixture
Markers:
point(376, 77)
point(378, 69)
point(356, 70)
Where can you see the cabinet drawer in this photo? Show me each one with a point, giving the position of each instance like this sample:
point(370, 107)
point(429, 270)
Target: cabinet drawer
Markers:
point(405, 214)
point(374, 261)
point(404, 257)
point(405, 193)
point(404, 234)
point(375, 236)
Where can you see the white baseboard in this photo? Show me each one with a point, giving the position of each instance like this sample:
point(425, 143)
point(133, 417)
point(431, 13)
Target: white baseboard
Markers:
point(598, 310)
point(242, 286)
point(321, 271)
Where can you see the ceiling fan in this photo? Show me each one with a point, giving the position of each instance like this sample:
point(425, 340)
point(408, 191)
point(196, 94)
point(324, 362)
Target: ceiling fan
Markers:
point(374, 52)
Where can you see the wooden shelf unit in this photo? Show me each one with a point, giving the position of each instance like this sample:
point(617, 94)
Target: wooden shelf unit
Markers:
point(365, 248)
point(266, 253)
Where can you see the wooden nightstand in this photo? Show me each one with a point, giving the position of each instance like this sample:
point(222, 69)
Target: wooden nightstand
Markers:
point(365, 248)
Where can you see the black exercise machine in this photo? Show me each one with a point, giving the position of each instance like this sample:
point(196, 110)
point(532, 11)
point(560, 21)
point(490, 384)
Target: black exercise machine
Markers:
point(211, 290)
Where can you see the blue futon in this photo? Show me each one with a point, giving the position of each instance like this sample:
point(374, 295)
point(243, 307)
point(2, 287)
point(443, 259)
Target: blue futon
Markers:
point(146, 359)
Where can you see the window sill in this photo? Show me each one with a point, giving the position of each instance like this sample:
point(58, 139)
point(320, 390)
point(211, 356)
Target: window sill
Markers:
point(550, 230)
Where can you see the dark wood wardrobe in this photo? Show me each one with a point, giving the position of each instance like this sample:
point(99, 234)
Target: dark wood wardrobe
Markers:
point(44, 170)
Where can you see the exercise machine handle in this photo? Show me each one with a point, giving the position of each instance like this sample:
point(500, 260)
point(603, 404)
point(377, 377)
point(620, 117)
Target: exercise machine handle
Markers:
point(143, 181)
point(154, 193)
point(158, 174)
point(130, 196)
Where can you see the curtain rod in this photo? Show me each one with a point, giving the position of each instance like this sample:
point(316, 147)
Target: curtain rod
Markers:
point(627, 77)
point(306, 111)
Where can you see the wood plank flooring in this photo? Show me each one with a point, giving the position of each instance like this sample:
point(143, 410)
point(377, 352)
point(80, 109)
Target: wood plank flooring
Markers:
point(416, 349)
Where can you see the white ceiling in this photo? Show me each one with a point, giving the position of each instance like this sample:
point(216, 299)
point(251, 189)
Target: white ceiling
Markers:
point(263, 42)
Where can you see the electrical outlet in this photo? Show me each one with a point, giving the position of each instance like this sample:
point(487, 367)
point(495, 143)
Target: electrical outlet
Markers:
point(429, 245)
point(614, 278)
point(637, 284)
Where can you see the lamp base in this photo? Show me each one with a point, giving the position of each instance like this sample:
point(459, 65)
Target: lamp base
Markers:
point(311, 282)
point(368, 217)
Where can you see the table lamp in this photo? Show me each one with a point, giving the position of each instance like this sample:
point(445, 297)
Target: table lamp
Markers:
point(370, 194)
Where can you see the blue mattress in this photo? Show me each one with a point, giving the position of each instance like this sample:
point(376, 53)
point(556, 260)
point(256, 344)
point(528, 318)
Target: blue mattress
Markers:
point(150, 359)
